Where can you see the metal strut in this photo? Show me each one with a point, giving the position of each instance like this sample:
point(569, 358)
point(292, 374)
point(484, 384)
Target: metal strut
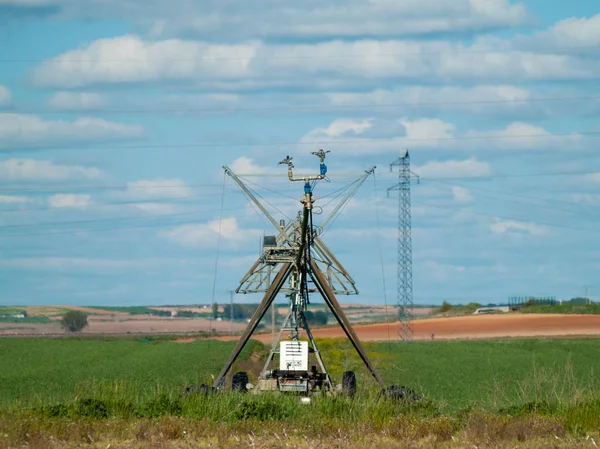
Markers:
point(268, 299)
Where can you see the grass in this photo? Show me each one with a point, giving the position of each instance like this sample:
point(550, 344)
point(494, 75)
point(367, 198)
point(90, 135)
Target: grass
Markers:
point(42, 371)
point(28, 319)
point(585, 309)
point(133, 310)
point(128, 393)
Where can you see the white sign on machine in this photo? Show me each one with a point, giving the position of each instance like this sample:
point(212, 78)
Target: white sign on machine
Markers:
point(293, 356)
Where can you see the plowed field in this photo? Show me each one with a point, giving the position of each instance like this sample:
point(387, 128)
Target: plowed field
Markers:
point(474, 326)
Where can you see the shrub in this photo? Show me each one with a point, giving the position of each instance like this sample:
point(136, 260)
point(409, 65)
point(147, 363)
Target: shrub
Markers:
point(163, 406)
point(261, 410)
point(74, 321)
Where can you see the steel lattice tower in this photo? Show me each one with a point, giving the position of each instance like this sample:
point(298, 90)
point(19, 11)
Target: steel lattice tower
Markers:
point(405, 291)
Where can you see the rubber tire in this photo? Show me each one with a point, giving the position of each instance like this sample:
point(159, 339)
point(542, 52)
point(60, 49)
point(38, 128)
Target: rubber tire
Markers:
point(349, 383)
point(399, 393)
point(239, 382)
point(199, 389)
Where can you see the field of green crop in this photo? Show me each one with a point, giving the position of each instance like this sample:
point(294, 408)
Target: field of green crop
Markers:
point(484, 392)
point(584, 309)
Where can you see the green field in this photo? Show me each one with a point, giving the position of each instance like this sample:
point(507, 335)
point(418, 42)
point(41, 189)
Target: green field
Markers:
point(486, 374)
point(482, 391)
point(28, 319)
point(584, 309)
point(133, 310)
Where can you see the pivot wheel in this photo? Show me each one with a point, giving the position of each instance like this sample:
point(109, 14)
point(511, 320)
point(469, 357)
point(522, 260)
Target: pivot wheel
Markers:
point(239, 382)
point(349, 383)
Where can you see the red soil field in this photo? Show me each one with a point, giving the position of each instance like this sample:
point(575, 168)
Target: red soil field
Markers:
point(471, 327)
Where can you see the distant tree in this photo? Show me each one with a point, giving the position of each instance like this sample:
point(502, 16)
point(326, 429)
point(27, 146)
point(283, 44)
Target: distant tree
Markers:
point(530, 303)
point(74, 321)
point(446, 307)
point(215, 310)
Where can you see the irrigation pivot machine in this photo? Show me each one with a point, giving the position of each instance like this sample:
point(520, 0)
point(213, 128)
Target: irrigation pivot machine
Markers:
point(295, 261)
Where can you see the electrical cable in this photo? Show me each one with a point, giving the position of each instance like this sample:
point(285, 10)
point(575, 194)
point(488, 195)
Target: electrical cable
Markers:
point(537, 198)
point(571, 212)
point(508, 218)
point(118, 203)
point(157, 186)
point(268, 189)
point(387, 321)
point(331, 107)
point(146, 217)
point(255, 193)
point(397, 140)
point(214, 289)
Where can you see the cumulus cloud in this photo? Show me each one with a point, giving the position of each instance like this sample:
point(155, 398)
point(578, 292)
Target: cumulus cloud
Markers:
point(205, 234)
point(518, 227)
point(37, 170)
point(324, 65)
point(14, 199)
point(23, 130)
point(160, 187)
point(5, 97)
point(77, 101)
point(67, 200)
point(428, 133)
point(453, 168)
point(461, 194)
point(308, 19)
point(489, 99)
point(579, 34)
point(246, 166)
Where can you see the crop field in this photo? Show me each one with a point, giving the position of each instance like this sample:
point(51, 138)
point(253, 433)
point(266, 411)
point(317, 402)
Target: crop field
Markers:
point(128, 393)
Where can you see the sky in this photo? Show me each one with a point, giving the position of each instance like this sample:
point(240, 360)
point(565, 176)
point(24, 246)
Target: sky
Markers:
point(116, 119)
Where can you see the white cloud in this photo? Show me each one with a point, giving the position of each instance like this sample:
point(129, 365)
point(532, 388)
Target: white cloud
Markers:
point(37, 170)
point(578, 32)
point(69, 200)
point(206, 234)
point(307, 19)
point(352, 18)
point(152, 188)
point(77, 101)
point(325, 65)
point(5, 97)
point(156, 208)
point(144, 61)
point(587, 197)
point(25, 130)
point(246, 166)
point(478, 99)
point(453, 168)
point(518, 227)
point(461, 194)
point(426, 133)
point(13, 199)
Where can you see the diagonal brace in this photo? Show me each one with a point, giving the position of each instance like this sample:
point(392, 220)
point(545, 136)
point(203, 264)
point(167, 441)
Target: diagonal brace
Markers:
point(337, 311)
point(268, 299)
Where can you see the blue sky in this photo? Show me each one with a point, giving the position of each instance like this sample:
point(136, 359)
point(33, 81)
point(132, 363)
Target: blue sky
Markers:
point(116, 118)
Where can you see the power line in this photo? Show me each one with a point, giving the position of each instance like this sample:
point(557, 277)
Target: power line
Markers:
point(159, 186)
point(398, 140)
point(119, 203)
point(306, 107)
point(79, 231)
point(536, 222)
point(145, 217)
point(585, 212)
